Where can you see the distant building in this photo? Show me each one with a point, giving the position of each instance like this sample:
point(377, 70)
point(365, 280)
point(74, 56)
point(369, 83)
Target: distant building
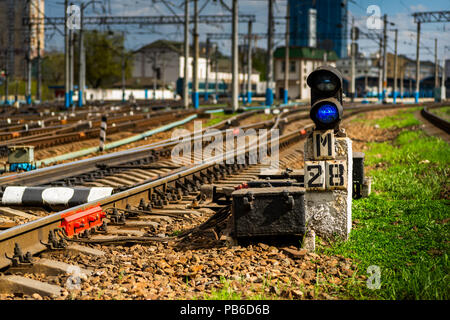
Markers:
point(367, 73)
point(15, 37)
point(328, 18)
point(163, 62)
point(302, 61)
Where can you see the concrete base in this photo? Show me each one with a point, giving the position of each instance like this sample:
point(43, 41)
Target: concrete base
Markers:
point(18, 284)
point(329, 211)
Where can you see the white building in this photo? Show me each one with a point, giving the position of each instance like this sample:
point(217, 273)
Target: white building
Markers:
point(162, 63)
point(302, 61)
point(364, 67)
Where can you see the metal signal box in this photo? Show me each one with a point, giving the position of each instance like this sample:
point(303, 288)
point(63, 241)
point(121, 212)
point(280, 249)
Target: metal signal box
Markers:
point(20, 154)
point(276, 211)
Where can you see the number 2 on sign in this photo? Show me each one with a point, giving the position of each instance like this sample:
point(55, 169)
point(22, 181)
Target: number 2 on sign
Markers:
point(315, 175)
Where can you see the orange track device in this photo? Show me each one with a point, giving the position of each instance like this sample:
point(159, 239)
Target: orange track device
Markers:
point(78, 221)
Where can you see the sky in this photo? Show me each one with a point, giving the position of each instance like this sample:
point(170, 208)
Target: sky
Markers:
point(399, 12)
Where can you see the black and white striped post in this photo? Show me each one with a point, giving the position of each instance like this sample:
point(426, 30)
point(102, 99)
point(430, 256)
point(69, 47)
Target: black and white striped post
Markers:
point(103, 126)
point(52, 196)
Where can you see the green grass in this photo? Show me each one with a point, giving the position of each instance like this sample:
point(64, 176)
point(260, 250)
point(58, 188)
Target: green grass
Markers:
point(403, 119)
point(218, 117)
point(402, 226)
point(226, 292)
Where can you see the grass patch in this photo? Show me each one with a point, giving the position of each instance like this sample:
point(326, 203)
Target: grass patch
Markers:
point(225, 293)
point(402, 119)
point(218, 117)
point(403, 226)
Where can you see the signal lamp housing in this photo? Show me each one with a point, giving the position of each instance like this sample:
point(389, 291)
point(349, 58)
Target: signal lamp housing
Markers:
point(326, 97)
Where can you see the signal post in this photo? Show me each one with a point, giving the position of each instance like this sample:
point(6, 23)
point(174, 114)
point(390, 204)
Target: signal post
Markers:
point(328, 159)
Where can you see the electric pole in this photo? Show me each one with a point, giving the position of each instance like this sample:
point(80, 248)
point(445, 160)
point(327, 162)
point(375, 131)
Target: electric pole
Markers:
point(195, 97)
point(286, 59)
point(207, 70)
point(154, 75)
point(269, 90)
point(394, 94)
point(7, 77)
point(186, 55)
point(123, 68)
point(416, 94)
point(402, 79)
point(443, 88)
point(39, 73)
point(352, 69)
point(235, 57)
point(71, 60)
point(216, 67)
point(123, 75)
point(380, 70)
point(384, 58)
point(28, 58)
point(436, 65)
point(249, 64)
point(82, 68)
point(66, 57)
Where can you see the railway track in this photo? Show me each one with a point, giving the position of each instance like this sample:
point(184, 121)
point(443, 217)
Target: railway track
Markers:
point(87, 130)
point(150, 212)
point(435, 120)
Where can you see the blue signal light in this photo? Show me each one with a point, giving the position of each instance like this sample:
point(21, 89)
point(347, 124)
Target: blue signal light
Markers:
point(327, 113)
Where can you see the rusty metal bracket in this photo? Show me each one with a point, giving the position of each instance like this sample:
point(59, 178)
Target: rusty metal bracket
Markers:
point(20, 259)
point(53, 242)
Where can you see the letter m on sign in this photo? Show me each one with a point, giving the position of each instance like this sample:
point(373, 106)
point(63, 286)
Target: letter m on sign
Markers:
point(324, 145)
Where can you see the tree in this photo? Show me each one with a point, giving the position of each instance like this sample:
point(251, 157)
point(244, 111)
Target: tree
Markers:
point(260, 62)
point(104, 52)
point(53, 68)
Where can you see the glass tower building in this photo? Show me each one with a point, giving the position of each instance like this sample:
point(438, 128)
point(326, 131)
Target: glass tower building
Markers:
point(330, 18)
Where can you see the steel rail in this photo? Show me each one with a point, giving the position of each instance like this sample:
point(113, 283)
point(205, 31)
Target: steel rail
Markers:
point(32, 236)
point(66, 170)
point(436, 120)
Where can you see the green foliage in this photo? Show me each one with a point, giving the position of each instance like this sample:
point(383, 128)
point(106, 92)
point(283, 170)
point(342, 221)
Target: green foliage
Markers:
point(104, 59)
point(260, 62)
point(53, 68)
point(402, 119)
point(225, 293)
point(218, 117)
point(403, 226)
